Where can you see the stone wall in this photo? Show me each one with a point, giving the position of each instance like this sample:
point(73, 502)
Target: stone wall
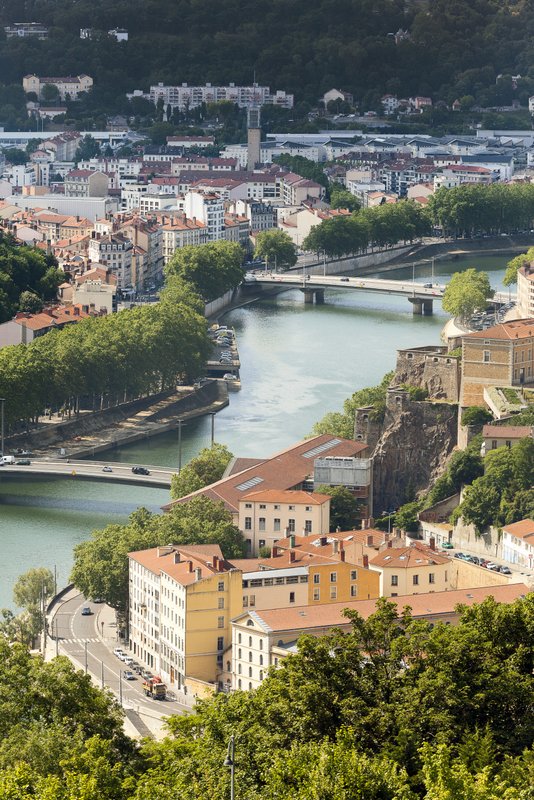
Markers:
point(488, 545)
point(415, 440)
point(430, 368)
point(465, 575)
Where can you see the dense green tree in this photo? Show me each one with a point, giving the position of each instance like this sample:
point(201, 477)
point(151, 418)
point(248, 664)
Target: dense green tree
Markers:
point(515, 264)
point(101, 564)
point(476, 415)
point(341, 198)
point(202, 470)
point(467, 292)
point(344, 507)
point(31, 302)
point(276, 247)
point(212, 269)
point(88, 148)
point(407, 516)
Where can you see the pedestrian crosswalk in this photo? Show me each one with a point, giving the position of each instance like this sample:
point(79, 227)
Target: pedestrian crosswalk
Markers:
point(78, 641)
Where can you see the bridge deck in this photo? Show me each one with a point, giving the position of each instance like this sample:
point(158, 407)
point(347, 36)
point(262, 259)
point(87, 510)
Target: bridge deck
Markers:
point(93, 470)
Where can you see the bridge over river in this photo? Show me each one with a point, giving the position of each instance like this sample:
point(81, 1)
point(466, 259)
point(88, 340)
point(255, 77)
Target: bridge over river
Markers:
point(92, 470)
point(420, 295)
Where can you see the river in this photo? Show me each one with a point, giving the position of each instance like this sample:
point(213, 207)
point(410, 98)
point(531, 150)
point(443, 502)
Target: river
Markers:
point(298, 362)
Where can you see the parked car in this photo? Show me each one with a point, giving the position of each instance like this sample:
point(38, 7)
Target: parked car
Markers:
point(118, 652)
point(147, 675)
point(123, 656)
point(459, 555)
point(492, 566)
point(140, 471)
point(137, 668)
point(128, 675)
point(23, 462)
point(128, 661)
point(107, 469)
point(345, 280)
point(447, 546)
point(505, 570)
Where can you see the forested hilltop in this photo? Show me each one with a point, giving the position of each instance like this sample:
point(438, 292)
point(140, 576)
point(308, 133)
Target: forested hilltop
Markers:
point(454, 48)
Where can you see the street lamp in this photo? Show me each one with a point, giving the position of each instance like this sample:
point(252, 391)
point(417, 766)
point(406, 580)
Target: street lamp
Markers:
point(229, 762)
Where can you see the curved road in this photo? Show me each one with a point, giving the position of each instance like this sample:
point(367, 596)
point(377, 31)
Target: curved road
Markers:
point(88, 641)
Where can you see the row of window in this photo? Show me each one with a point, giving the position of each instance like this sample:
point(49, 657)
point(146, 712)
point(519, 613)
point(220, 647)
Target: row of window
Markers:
point(276, 507)
point(415, 579)
point(277, 524)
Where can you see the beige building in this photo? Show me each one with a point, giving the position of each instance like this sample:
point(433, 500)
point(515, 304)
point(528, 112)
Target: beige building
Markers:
point(499, 356)
point(269, 515)
point(525, 291)
point(69, 86)
point(179, 232)
point(181, 602)
point(261, 639)
point(411, 570)
point(96, 289)
point(495, 436)
point(86, 183)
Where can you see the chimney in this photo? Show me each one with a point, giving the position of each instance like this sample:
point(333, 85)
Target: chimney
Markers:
point(324, 541)
point(215, 563)
point(390, 543)
point(176, 557)
point(292, 540)
point(292, 556)
point(366, 562)
point(198, 573)
point(432, 543)
point(369, 540)
point(342, 555)
point(190, 566)
point(335, 547)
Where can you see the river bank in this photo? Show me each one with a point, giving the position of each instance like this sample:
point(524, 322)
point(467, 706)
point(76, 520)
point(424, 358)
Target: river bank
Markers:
point(97, 432)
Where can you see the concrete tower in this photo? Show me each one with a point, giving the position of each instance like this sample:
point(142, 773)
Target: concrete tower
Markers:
point(253, 137)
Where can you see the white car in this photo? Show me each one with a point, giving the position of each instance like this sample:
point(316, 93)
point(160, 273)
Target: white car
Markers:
point(118, 652)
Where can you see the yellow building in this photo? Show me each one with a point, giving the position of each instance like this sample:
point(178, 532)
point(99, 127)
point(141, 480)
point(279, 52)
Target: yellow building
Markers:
point(181, 602)
point(411, 570)
point(499, 356)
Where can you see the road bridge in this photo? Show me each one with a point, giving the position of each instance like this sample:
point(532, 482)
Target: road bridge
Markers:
point(420, 295)
point(159, 477)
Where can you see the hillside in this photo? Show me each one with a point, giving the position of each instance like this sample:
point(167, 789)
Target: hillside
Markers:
point(455, 48)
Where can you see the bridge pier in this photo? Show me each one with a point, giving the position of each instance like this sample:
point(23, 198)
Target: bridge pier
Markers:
point(422, 306)
point(313, 294)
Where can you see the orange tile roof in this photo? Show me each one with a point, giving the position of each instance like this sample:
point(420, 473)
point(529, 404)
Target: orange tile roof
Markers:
point(431, 604)
point(280, 496)
point(507, 431)
point(524, 529)
point(515, 329)
point(284, 470)
point(162, 559)
point(416, 555)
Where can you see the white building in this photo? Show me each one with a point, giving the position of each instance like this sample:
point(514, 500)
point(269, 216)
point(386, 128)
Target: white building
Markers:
point(518, 543)
point(120, 34)
point(115, 253)
point(185, 97)
point(209, 209)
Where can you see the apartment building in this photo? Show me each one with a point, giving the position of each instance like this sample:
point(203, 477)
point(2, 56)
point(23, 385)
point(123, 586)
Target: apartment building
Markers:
point(68, 87)
point(518, 543)
point(147, 239)
point(411, 570)
point(185, 97)
point(181, 602)
point(261, 216)
point(57, 227)
point(114, 252)
point(63, 146)
point(525, 291)
point(209, 209)
point(86, 183)
point(499, 356)
point(179, 231)
point(262, 639)
point(266, 516)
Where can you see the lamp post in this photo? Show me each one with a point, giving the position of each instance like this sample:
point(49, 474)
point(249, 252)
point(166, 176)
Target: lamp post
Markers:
point(229, 762)
point(179, 446)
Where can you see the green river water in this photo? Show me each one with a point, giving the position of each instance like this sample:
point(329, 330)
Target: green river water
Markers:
point(298, 362)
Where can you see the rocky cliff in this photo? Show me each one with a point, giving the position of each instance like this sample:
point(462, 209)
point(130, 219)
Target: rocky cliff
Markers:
point(412, 443)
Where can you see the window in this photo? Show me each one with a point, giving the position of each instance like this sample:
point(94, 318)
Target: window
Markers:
point(277, 508)
point(252, 600)
point(353, 575)
point(250, 675)
point(276, 524)
point(245, 605)
point(415, 580)
point(261, 648)
point(261, 524)
point(291, 525)
point(250, 657)
point(333, 592)
point(308, 508)
point(291, 508)
point(221, 602)
point(239, 640)
point(308, 526)
point(431, 578)
point(494, 444)
point(261, 674)
point(239, 670)
point(291, 597)
point(248, 523)
point(220, 643)
point(261, 543)
point(248, 505)
point(333, 577)
point(316, 578)
point(394, 580)
point(508, 443)
point(262, 505)
point(316, 594)
point(353, 591)
point(220, 622)
point(220, 586)
point(486, 356)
